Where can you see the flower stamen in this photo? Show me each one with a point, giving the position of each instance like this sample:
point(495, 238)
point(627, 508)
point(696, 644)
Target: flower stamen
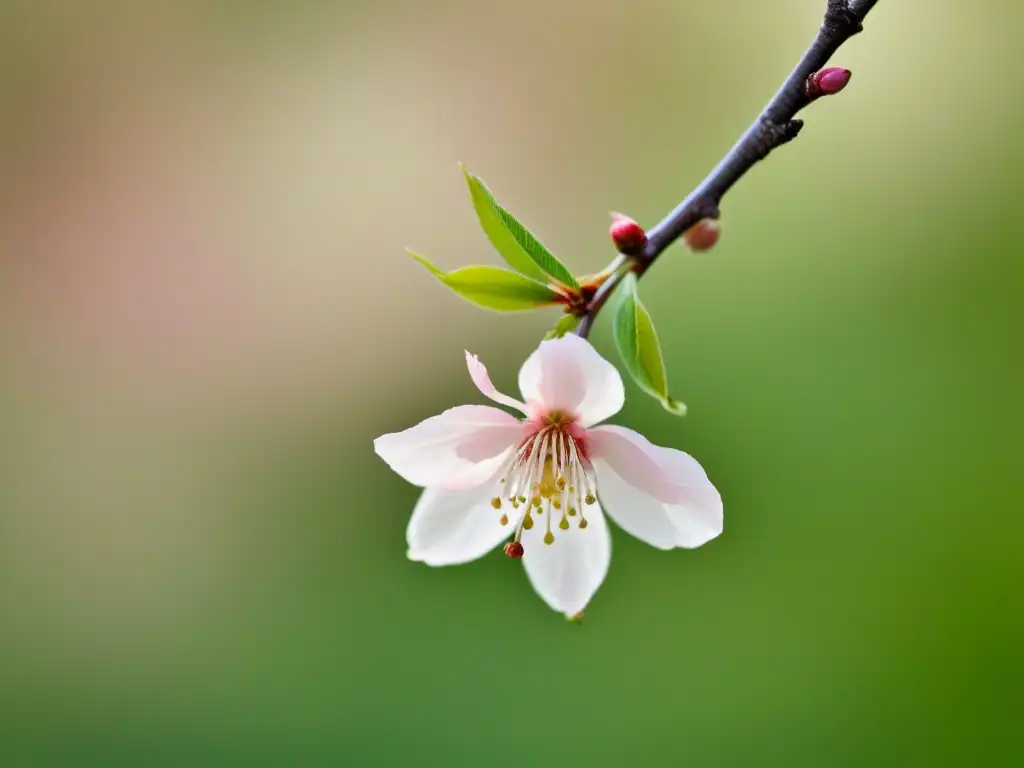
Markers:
point(548, 473)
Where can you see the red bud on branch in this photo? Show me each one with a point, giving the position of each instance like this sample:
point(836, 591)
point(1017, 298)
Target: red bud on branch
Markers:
point(827, 81)
point(703, 235)
point(628, 236)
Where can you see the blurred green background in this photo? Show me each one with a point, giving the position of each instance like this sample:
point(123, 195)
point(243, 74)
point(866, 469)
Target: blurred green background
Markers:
point(207, 316)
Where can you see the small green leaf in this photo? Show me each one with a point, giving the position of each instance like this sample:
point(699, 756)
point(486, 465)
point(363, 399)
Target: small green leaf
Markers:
point(492, 287)
point(523, 252)
point(638, 345)
point(566, 325)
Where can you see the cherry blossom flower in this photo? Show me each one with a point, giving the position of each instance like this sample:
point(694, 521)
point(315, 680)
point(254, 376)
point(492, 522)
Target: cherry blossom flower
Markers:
point(546, 480)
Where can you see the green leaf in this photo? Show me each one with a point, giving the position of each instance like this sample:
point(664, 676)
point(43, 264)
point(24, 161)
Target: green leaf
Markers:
point(492, 287)
point(566, 325)
point(638, 345)
point(523, 252)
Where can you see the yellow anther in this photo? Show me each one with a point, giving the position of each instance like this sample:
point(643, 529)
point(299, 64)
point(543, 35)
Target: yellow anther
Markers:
point(564, 525)
point(527, 522)
point(572, 489)
point(583, 522)
point(560, 483)
point(515, 503)
point(590, 499)
point(572, 511)
point(522, 499)
point(535, 501)
point(549, 538)
point(556, 503)
point(496, 502)
point(504, 520)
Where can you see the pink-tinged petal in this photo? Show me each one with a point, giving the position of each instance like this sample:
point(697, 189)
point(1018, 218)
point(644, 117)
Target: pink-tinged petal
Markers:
point(645, 488)
point(566, 574)
point(568, 374)
point(641, 516)
point(663, 473)
point(478, 373)
point(454, 527)
point(460, 448)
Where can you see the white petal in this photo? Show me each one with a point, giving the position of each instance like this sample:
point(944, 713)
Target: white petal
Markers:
point(478, 373)
point(663, 473)
point(645, 487)
point(566, 574)
point(638, 514)
point(453, 527)
point(460, 448)
point(568, 374)
point(697, 521)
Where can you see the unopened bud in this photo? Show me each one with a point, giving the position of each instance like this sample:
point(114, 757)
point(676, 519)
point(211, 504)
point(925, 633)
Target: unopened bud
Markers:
point(827, 81)
point(703, 235)
point(628, 236)
point(514, 550)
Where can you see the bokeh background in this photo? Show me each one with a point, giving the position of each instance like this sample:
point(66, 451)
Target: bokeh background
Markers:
point(206, 316)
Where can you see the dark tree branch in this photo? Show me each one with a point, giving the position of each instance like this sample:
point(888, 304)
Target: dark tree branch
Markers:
point(775, 126)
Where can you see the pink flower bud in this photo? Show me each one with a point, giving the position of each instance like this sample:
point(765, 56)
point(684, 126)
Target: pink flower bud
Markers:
point(628, 236)
point(827, 81)
point(703, 235)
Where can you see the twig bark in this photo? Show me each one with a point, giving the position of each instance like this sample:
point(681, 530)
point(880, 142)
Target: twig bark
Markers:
point(775, 126)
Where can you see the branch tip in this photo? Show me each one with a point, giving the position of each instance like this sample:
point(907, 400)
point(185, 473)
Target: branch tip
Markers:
point(693, 219)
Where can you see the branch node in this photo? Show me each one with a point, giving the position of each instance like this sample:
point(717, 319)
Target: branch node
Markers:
point(706, 207)
point(775, 135)
point(840, 16)
point(790, 130)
